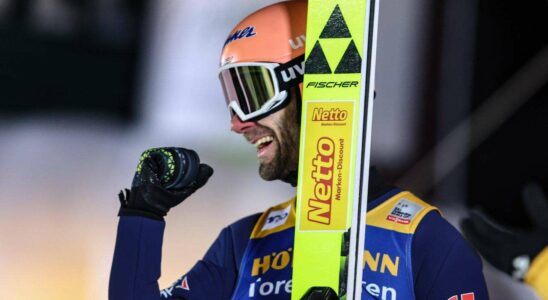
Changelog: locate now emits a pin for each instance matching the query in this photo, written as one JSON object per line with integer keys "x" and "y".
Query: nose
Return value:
{"x": 240, "y": 126}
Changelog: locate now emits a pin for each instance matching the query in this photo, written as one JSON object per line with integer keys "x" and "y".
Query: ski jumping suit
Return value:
{"x": 411, "y": 252}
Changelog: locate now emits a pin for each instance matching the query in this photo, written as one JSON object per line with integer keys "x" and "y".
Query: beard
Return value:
{"x": 284, "y": 165}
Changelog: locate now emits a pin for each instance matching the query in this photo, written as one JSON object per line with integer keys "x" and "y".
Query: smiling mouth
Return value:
{"x": 262, "y": 143}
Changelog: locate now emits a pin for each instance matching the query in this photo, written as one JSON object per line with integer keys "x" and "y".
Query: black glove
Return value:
{"x": 164, "y": 178}
{"x": 511, "y": 250}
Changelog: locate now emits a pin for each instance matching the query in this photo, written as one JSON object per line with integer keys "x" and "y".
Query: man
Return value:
{"x": 421, "y": 257}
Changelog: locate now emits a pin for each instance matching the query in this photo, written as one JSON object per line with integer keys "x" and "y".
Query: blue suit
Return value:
{"x": 411, "y": 252}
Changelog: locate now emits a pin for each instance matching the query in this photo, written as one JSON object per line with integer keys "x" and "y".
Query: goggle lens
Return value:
{"x": 254, "y": 89}
{"x": 250, "y": 86}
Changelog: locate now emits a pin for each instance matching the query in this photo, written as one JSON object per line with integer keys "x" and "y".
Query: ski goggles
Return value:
{"x": 255, "y": 89}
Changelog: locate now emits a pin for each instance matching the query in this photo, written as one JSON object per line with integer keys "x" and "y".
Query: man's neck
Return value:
{"x": 291, "y": 178}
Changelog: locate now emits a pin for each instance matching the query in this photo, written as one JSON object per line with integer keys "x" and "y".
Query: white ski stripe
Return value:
{"x": 359, "y": 218}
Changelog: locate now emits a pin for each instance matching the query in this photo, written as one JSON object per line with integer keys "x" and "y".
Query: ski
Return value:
{"x": 334, "y": 148}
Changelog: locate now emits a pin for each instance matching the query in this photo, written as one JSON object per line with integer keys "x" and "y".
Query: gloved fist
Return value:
{"x": 511, "y": 250}
{"x": 164, "y": 178}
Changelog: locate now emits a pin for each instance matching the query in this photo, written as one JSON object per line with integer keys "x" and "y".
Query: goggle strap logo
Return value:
{"x": 291, "y": 73}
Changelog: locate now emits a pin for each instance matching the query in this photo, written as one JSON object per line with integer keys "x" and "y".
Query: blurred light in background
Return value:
{"x": 70, "y": 55}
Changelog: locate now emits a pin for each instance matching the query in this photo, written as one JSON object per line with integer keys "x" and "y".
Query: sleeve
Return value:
{"x": 137, "y": 259}
{"x": 215, "y": 276}
{"x": 444, "y": 265}
{"x": 212, "y": 277}
{"x": 137, "y": 262}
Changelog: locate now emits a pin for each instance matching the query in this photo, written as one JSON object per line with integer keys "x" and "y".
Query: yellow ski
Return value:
{"x": 335, "y": 146}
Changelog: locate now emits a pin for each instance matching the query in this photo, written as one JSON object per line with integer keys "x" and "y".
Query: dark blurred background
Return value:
{"x": 86, "y": 85}
{"x": 509, "y": 37}
{"x": 70, "y": 55}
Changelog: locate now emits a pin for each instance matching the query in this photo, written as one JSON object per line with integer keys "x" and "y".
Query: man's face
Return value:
{"x": 276, "y": 138}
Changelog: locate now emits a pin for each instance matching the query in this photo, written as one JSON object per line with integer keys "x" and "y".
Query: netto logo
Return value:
{"x": 240, "y": 34}
{"x": 319, "y": 207}
{"x": 336, "y": 28}
{"x": 333, "y": 114}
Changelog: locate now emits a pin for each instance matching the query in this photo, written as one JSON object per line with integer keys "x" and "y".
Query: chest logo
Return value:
{"x": 404, "y": 212}
{"x": 276, "y": 218}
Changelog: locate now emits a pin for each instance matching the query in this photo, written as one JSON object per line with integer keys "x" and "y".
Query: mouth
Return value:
{"x": 263, "y": 144}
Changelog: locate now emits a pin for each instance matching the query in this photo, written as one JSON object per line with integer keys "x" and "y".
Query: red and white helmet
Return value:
{"x": 262, "y": 58}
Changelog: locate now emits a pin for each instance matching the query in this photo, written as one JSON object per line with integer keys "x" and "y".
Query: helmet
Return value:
{"x": 262, "y": 58}
{"x": 272, "y": 34}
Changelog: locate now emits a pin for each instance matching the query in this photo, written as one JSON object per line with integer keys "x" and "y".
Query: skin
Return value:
{"x": 279, "y": 159}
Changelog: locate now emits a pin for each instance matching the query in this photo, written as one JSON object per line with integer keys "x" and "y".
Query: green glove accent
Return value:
{"x": 164, "y": 178}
